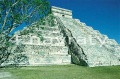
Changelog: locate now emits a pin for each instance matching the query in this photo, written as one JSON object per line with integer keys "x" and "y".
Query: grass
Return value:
{"x": 63, "y": 72}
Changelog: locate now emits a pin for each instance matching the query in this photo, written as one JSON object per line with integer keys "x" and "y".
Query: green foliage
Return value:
{"x": 42, "y": 27}
{"x": 7, "y": 44}
{"x": 21, "y": 58}
{"x": 40, "y": 36}
{"x": 50, "y": 20}
{"x": 41, "y": 22}
{"x": 13, "y": 13}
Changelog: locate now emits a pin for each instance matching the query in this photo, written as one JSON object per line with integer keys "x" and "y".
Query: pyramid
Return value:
{"x": 61, "y": 39}
{"x": 86, "y": 45}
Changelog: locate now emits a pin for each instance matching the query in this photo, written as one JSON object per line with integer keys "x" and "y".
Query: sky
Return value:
{"x": 102, "y": 15}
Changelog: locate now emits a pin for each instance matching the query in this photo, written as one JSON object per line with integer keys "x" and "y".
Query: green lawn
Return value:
{"x": 63, "y": 72}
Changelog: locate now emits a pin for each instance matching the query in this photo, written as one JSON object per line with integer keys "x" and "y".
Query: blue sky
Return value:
{"x": 102, "y": 15}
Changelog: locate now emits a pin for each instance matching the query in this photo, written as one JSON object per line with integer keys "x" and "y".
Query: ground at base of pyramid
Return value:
{"x": 61, "y": 72}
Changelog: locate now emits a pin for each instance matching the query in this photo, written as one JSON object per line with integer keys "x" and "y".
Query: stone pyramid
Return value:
{"x": 86, "y": 45}
{"x": 61, "y": 39}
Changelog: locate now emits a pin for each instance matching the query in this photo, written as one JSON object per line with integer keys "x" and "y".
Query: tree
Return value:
{"x": 13, "y": 13}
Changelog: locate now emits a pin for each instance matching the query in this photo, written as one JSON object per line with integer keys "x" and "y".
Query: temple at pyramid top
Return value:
{"x": 61, "y": 12}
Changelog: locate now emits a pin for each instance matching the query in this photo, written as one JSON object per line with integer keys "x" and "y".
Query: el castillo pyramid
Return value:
{"x": 59, "y": 39}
